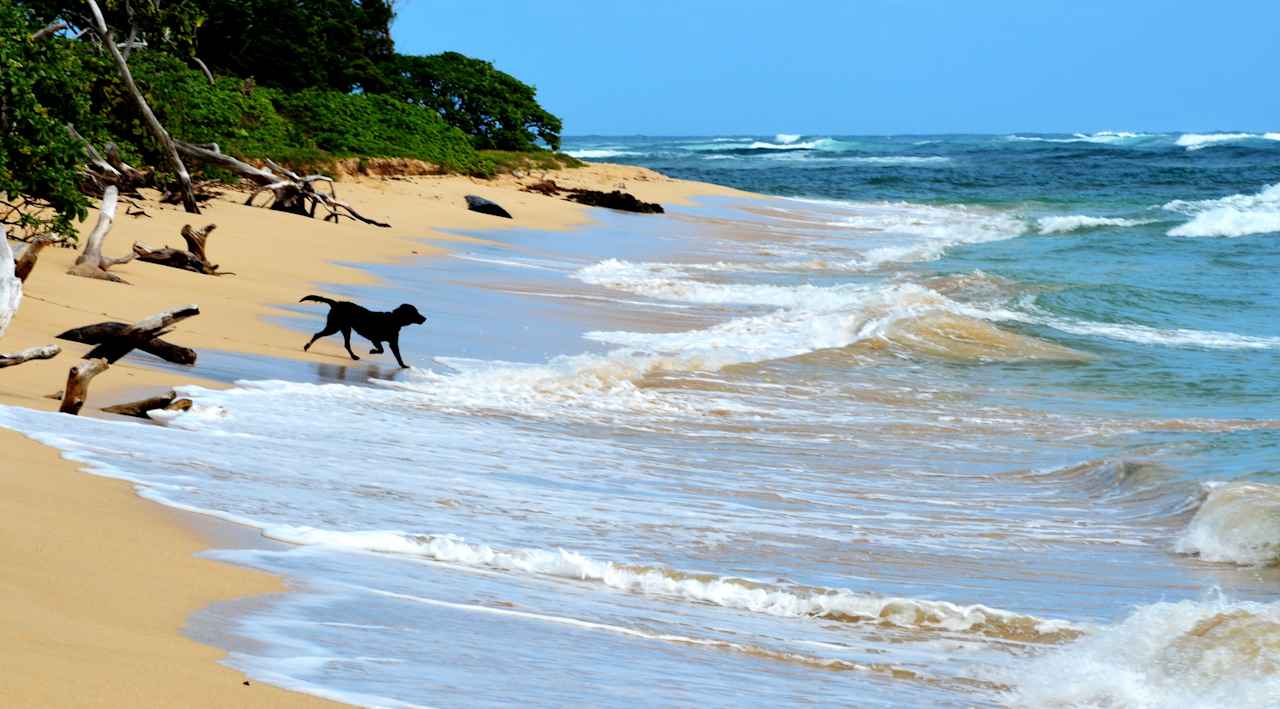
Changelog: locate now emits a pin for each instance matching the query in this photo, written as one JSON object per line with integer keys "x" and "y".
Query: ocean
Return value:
{"x": 940, "y": 421}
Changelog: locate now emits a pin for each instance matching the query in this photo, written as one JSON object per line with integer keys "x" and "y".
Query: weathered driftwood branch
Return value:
{"x": 193, "y": 259}
{"x": 161, "y": 135}
{"x": 78, "y": 380}
{"x": 91, "y": 263}
{"x": 13, "y": 359}
{"x": 141, "y": 332}
{"x": 101, "y": 332}
{"x": 142, "y": 408}
{"x": 290, "y": 191}
{"x": 26, "y": 259}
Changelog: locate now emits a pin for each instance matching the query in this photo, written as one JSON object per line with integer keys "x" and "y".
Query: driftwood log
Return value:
{"x": 141, "y": 409}
{"x": 290, "y": 192}
{"x": 101, "y": 332}
{"x": 13, "y": 359}
{"x": 194, "y": 258}
{"x": 26, "y": 259}
{"x": 92, "y": 263}
{"x": 78, "y": 379}
{"x": 144, "y": 331}
{"x": 112, "y": 349}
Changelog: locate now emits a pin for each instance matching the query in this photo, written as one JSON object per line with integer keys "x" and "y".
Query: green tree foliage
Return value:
{"x": 170, "y": 25}
{"x": 494, "y": 108}
{"x": 41, "y": 90}
{"x": 299, "y": 44}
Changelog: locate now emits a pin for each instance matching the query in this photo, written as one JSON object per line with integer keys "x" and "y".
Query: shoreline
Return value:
{"x": 102, "y": 593}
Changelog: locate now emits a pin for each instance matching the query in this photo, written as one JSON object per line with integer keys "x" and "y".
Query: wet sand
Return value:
{"x": 100, "y": 583}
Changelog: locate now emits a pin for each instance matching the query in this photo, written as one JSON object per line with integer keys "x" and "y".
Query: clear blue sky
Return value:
{"x": 699, "y": 67}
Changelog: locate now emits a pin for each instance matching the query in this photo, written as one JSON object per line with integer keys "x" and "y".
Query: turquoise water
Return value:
{"x": 946, "y": 421}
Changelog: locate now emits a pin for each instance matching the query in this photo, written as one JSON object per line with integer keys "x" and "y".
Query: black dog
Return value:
{"x": 374, "y": 327}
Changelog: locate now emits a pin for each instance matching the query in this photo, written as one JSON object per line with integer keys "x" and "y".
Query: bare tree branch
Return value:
{"x": 52, "y": 29}
{"x": 153, "y": 123}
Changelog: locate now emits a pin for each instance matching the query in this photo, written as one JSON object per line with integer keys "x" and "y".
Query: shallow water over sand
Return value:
{"x": 769, "y": 452}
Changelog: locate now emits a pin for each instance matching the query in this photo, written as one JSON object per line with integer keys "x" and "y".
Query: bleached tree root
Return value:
{"x": 78, "y": 380}
{"x": 13, "y": 359}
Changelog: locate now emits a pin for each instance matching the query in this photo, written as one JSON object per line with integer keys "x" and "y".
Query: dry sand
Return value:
{"x": 97, "y": 583}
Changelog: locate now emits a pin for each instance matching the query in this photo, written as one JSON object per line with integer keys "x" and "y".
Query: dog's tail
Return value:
{"x": 318, "y": 299}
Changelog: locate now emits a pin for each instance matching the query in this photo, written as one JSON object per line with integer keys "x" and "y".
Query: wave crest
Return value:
{"x": 1188, "y": 654}
{"x": 839, "y": 605}
{"x": 1236, "y": 215}
{"x": 1237, "y": 523}
{"x": 1080, "y": 222}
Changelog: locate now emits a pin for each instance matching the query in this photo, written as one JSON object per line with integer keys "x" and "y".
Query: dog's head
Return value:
{"x": 408, "y": 315}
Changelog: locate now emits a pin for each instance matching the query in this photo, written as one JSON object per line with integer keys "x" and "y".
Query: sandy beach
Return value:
{"x": 99, "y": 582}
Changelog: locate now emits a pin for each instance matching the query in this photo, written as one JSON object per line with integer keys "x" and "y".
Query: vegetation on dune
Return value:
{"x": 302, "y": 83}
{"x": 38, "y": 157}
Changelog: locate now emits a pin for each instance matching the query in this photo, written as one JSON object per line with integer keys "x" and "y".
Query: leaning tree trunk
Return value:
{"x": 153, "y": 124}
{"x": 91, "y": 263}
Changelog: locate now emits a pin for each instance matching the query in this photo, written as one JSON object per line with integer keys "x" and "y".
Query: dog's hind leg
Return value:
{"x": 346, "y": 342}
{"x": 377, "y": 348}
{"x": 329, "y": 329}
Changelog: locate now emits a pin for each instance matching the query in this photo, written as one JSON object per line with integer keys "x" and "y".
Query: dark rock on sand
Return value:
{"x": 484, "y": 206}
{"x": 616, "y": 199}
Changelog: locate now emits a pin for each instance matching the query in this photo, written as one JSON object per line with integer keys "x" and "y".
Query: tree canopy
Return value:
{"x": 495, "y": 108}
{"x": 296, "y": 81}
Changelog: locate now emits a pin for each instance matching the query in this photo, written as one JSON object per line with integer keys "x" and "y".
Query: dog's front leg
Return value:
{"x": 395, "y": 350}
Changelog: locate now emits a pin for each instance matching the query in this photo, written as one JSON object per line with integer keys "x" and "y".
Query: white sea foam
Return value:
{"x": 1236, "y": 215}
{"x": 1197, "y": 655}
{"x": 1080, "y": 222}
{"x": 737, "y": 593}
{"x": 669, "y": 282}
{"x": 1237, "y": 523}
{"x": 806, "y": 145}
{"x": 599, "y": 153}
{"x": 900, "y": 160}
{"x": 787, "y": 138}
{"x": 1142, "y": 334}
{"x": 1196, "y": 141}
{"x": 1105, "y": 137}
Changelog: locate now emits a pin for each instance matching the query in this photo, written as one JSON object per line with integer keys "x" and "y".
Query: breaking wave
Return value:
{"x": 1190, "y": 654}
{"x": 1236, "y": 215}
{"x": 839, "y": 605}
{"x": 1238, "y": 523}
{"x": 1196, "y": 141}
{"x": 1105, "y": 137}
{"x": 600, "y": 153}
{"x": 1077, "y": 222}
